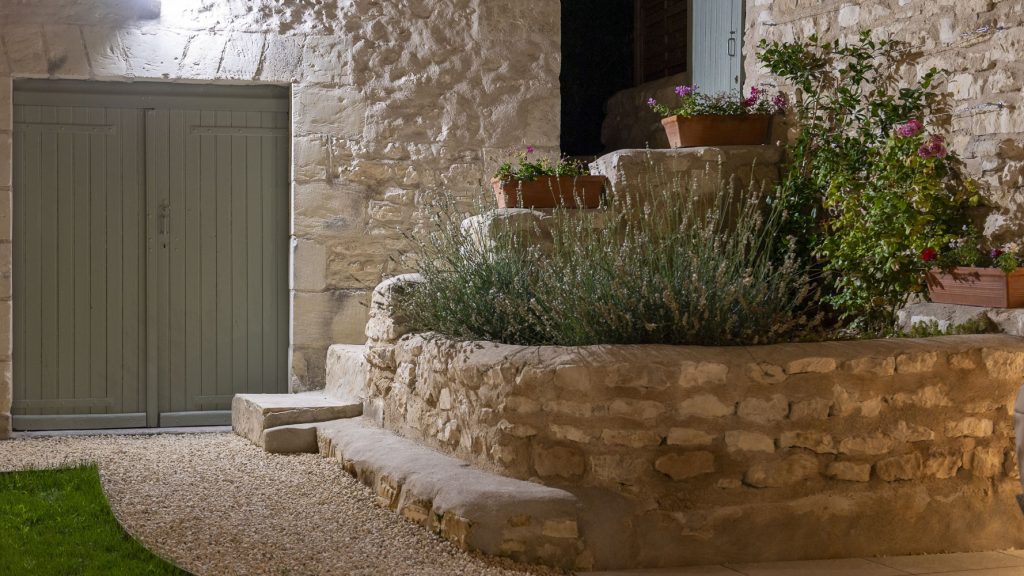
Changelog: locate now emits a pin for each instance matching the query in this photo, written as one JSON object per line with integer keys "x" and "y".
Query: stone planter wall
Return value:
{"x": 691, "y": 455}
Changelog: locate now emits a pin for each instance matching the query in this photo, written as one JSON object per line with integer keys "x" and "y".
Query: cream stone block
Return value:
{"x": 744, "y": 441}
{"x": 635, "y": 409}
{"x": 310, "y": 266}
{"x": 339, "y": 112}
{"x": 871, "y": 445}
{"x": 764, "y": 410}
{"x": 25, "y": 52}
{"x": 242, "y": 56}
{"x": 153, "y": 53}
{"x": 689, "y": 437}
{"x": 970, "y": 427}
{"x": 203, "y": 57}
{"x": 106, "y": 52}
{"x": 704, "y": 406}
{"x": 816, "y": 408}
{"x": 6, "y": 105}
{"x": 281, "y": 58}
{"x": 779, "y": 473}
{"x": 5, "y": 270}
{"x": 916, "y": 362}
{"x": 5, "y": 330}
{"x": 66, "y": 56}
{"x": 907, "y": 467}
{"x": 5, "y": 212}
{"x": 813, "y": 440}
{"x": 875, "y": 366}
{"x": 6, "y": 387}
{"x": 814, "y": 365}
{"x": 324, "y": 318}
{"x": 326, "y": 60}
{"x": 849, "y": 471}
{"x": 6, "y": 160}
{"x": 631, "y": 438}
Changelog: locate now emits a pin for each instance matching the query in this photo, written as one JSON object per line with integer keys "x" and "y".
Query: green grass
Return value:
{"x": 58, "y": 522}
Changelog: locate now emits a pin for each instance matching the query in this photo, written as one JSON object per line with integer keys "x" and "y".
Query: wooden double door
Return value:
{"x": 150, "y": 270}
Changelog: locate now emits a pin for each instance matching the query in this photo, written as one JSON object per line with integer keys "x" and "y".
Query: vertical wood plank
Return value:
{"x": 97, "y": 152}
{"x": 193, "y": 262}
{"x": 255, "y": 379}
{"x": 152, "y": 285}
{"x": 225, "y": 379}
{"x": 134, "y": 264}
{"x": 208, "y": 207}
{"x": 176, "y": 279}
{"x": 21, "y": 390}
{"x": 239, "y": 261}
{"x": 47, "y": 235}
{"x": 115, "y": 265}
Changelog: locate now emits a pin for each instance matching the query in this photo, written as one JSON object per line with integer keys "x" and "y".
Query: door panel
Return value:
{"x": 150, "y": 252}
{"x": 222, "y": 271}
{"x": 717, "y": 45}
{"x": 78, "y": 261}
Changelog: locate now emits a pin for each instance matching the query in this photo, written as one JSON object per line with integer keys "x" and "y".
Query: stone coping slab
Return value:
{"x": 251, "y": 414}
{"x": 474, "y": 509}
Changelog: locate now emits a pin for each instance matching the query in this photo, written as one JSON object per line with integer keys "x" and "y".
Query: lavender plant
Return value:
{"x": 675, "y": 269}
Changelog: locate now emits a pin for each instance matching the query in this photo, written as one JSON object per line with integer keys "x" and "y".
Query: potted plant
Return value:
{"x": 723, "y": 119}
{"x": 543, "y": 183}
{"x": 966, "y": 272}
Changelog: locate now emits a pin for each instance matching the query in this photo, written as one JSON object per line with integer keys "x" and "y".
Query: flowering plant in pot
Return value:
{"x": 723, "y": 119}
{"x": 539, "y": 182}
{"x": 967, "y": 270}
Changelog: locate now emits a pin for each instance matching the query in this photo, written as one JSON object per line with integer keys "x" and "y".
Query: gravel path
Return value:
{"x": 214, "y": 504}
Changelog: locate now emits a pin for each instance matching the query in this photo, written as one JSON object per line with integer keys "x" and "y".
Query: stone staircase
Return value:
{"x": 472, "y": 508}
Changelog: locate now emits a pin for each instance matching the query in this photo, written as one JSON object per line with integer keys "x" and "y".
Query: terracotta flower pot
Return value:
{"x": 550, "y": 192}
{"x": 977, "y": 287}
{"x": 748, "y": 129}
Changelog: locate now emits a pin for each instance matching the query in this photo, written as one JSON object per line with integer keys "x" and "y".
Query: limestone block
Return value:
{"x": 763, "y": 410}
{"x": 5, "y": 164}
{"x": 310, "y": 265}
{"x": 251, "y": 414}
{"x": 704, "y": 406}
{"x": 871, "y": 445}
{"x": 631, "y": 438}
{"x": 689, "y": 437}
{"x": 6, "y": 106}
{"x": 149, "y": 59}
{"x": 203, "y": 56}
{"x": 985, "y": 462}
{"x": 340, "y": 112}
{"x": 971, "y": 427}
{"x": 916, "y": 362}
{"x": 849, "y": 471}
{"x": 814, "y": 365}
{"x": 347, "y": 371}
{"x": 243, "y": 53}
{"x": 815, "y": 408}
{"x": 686, "y": 465}
{"x": 641, "y": 410}
{"x": 281, "y": 58}
{"x": 5, "y": 330}
{"x": 106, "y": 52}
{"x": 943, "y": 466}
{"x": 1003, "y": 364}
{"x": 703, "y": 373}
{"x": 766, "y": 373}
{"x": 904, "y": 432}
{"x": 5, "y": 425}
{"x": 873, "y": 366}
{"x": 813, "y": 440}
{"x": 324, "y": 318}
{"x": 570, "y": 433}
{"x": 66, "y": 56}
{"x": 907, "y": 467}
{"x": 26, "y": 55}
{"x": 927, "y": 397}
{"x": 6, "y": 387}
{"x": 531, "y": 227}
{"x": 792, "y": 470}
{"x": 559, "y": 461}
{"x": 384, "y": 324}
{"x": 968, "y": 360}
{"x": 743, "y": 441}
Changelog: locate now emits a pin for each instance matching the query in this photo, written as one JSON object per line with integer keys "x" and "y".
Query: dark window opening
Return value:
{"x": 660, "y": 39}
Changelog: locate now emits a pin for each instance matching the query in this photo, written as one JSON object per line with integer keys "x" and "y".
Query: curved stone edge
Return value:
{"x": 473, "y": 509}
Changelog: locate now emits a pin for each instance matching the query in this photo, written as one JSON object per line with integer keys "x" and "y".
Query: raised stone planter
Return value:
{"x": 693, "y": 455}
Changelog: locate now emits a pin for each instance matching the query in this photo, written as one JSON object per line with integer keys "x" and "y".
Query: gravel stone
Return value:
{"x": 214, "y": 504}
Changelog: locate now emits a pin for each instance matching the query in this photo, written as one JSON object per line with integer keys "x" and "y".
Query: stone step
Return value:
{"x": 474, "y": 509}
{"x": 253, "y": 414}
{"x": 346, "y": 371}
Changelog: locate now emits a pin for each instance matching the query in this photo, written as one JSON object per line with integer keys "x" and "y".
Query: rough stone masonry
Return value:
{"x": 392, "y": 103}
{"x": 978, "y": 43}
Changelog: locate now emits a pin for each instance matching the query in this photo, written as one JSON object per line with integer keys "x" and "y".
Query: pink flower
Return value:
{"x": 779, "y": 101}
{"x": 910, "y": 129}
{"x": 530, "y": 149}
{"x": 755, "y": 95}
{"x": 652, "y": 102}
{"x": 929, "y": 254}
{"x": 684, "y": 90}
{"x": 935, "y": 147}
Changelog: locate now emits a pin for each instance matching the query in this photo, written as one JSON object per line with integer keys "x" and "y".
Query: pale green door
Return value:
{"x": 150, "y": 252}
{"x": 717, "y": 40}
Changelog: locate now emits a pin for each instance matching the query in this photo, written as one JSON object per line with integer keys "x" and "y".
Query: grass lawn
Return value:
{"x": 58, "y": 522}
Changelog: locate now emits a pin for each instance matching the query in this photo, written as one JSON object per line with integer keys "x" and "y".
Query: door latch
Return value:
{"x": 163, "y": 221}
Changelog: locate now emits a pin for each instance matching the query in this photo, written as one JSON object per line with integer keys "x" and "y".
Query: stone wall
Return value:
{"x": 629, "y": 122}
{"x": 392, "y": 102}
{"x": 977, "y": 41}
{"x": 694, "y": 455}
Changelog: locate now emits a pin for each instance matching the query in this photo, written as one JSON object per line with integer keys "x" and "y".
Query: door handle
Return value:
{"x": 732, "y": 47}
{"x": 163, "y": 221}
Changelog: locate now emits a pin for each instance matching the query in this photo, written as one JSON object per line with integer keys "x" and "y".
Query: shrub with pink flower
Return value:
{"x": 911, "y": 128}
{"x": 934, "y": 147}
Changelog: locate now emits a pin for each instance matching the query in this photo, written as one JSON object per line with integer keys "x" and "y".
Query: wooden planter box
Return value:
{"x": 749, "y": 129}
{"x": 550, "y": 192}
{"x": 977, "y": 287}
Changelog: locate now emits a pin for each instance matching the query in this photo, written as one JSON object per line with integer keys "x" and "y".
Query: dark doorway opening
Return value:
{"x": 597, "y": 61}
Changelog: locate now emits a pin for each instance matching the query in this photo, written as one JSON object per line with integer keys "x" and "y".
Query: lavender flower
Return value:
{"x": 652, "y": 102}
{"x": 684, "y": 90}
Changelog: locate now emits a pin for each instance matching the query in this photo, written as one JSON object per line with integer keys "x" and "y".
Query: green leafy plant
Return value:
{"x": 525, "y": 168}
{"x": 691, "y": 102}
{"x": 972, "y": 250}
{"x": 676, "y": 269}
{"x": 867, "y": 186}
